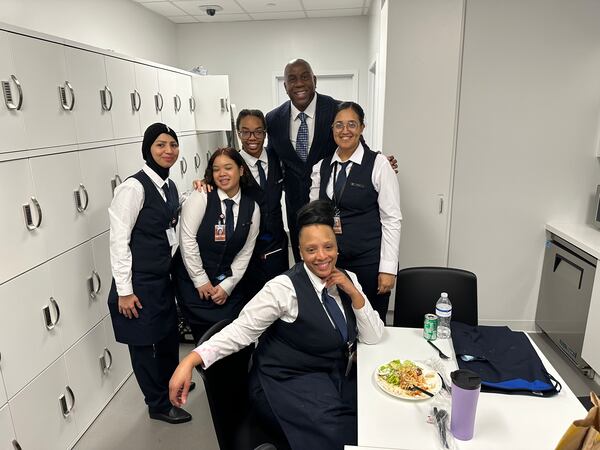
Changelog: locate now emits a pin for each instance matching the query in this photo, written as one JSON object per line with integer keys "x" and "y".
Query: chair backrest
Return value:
{"x": 226, "y": 385}
{"x": 419, "y": 288}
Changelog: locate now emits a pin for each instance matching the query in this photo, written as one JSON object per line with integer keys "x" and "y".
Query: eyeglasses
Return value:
{"x": 351, "y": 124}
{"x": 258, "y": 134}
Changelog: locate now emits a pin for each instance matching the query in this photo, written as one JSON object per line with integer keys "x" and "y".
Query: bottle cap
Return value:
{"x": 466, "y": 379}
{"x": 444, "y": 294}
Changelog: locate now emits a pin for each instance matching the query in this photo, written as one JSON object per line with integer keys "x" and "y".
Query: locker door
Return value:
{"x": 167, "y": 84}
{"x": 12, "y": 124}
{"x": 126, "y": 109}
{"x": 7, "y": 433}
{"x": 146, "y": 81}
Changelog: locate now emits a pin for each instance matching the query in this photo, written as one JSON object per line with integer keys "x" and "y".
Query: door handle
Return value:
{"x": 64, "y": 406}
{"x": 50, "y": 324}
{"x": 104, "y": 365}
{"x": 80, "y": 204}
{"x": 136, "y": 100}
{"x": 8, "y": 97}
{"x": 106, "y": 98}
{"x": 158, "y": 102}
{"x": 558, "y": 258}
{"x": 29, "y": 217}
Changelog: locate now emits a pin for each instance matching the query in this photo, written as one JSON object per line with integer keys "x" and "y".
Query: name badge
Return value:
{"x": 171, "y": 236}
{"x": 220, "y": 233}
{"x": 337, "y": 224}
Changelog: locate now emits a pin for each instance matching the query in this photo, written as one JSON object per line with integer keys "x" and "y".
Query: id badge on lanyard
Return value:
{"x": 220, "y": 230}
{"x": 337, "y": 221}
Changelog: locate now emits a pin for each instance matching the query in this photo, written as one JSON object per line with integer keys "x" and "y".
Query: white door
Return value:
{"x": 129, "y": 159}
{"x": 187, "y": 102}
{"x": 26, "y": 247}
{"x": 119, "y": 362}
{"x": 87, "y": 74}
{"x": 12, "y": 124}
{"x": 30, "y": 319}
{"x": 47, "y": 107}
{"x": 126, "y": 98}
{"x": 74, "y": 282}
{"x": 146, "y": 81}
{"x": 212, "y": 105}
{"x": 7, "y": 433}
{"x": 43, "y": 413}
{"x": 57, "y": 179}
{"x": 98, "y": 170}
{"x": 167, "y": 85}
{"x": 101, "y": 251}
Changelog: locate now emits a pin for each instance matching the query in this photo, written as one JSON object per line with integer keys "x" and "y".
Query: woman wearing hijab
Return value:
{"x": 143, "y": 216}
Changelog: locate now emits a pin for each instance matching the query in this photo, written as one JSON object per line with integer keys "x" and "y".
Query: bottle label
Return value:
{"x": 445, "y": 312}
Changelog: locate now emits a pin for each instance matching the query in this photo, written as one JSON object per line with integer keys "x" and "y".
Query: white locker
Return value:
{"x": 187, "y": 103}
{"x": 101, "y": 253}
{"x": 7, "y": 434}
{"x": 146, "y": 81}
{"x": 44, "y": 413}
{"x": 3, "y": 396}
{"x": 92, "y": 109}
{"x": 30, "y": 322}
{"x": 129, "y": 159}
{"x": 47, "y": 106}
{"x": 126, "y": 98}
{"x": 98, "y": 175}
{"x": 20, "y": 210}
{"x": 167, "y": 83}
{"x": 212, "y": 106}
{"x": 57, "y": 179}
{"x": 12, "y": 124}
{"x": 120, "y": 364}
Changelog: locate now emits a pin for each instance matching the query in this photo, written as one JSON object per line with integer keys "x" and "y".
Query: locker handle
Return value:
{"x": 441, "y": 200}
{"x": 64, "y": 406}
{"x": 177, "y": 102}
{"x": 16, "y": 445}
{"x": 136, "y": 100}
{"x": 557, "y": 260}
{"x": 192, "y": 104}
{"x": 79, "y": 204}
{"x": 184, "y": 165}
{"x": 28, "y": 216}
{"x": 104, "y": 95}
{"x": 93, "y": 290}
{"x": 104, "y": 366}
{"x": 50, "y": 324}
{"x": 8, "y": 97}
{"x": 114, "y": 183}
{"x": 197, "y": 161}
{"x": 158, "y": 104}
{"x": 62, "y": 92}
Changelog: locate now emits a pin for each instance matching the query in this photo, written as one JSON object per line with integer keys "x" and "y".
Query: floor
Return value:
{"x": 124, "y": 422}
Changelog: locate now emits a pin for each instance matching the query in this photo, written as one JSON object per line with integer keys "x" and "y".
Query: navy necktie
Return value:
{"x": 229, "y": 226}
{"x": 340, "y": 180}
{"x": 302, "y": 138}
{"x": 171, "y": 204}
{"x": 335, "y": 313}
{"x": 261, "y": 174}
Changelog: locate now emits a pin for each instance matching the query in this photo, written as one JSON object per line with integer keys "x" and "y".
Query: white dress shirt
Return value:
{"x": 310, "y": 111}
{"x": 278, "y": 300}
{"x": 252, "y": 163}
{"x": 192, "y": 213}
{"x": 384, "y": 181}
{"x": 123, "y": 212}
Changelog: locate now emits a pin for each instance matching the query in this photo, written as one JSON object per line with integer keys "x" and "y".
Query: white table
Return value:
{"x": 502, "y": 421}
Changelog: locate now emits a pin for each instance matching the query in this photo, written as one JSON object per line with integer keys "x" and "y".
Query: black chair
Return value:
{"x": 419, "y": 288}
{"x": 226, "y": 385}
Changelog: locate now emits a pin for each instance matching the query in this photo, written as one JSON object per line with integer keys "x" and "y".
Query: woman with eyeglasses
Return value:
{"x": 364, "y": 191}
{"x": 218, "y": 230}
{"x": 270, "y": 256}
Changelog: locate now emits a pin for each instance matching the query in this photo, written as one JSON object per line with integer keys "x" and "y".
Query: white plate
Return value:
{"x": 431, "y": 377}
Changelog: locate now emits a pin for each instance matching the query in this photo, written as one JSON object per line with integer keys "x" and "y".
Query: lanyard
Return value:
{"x": 336, "y": 200}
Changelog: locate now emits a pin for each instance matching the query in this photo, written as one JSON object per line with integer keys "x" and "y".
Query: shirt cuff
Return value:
{"x": 207, "y": 353}
{"x": 124, "y": 289}
{"x": 390, "y": 267}
{"x": 200, "y": 280}
{"x": 227, "y": 285}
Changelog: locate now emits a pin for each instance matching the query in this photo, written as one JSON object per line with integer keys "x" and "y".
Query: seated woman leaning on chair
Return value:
{"x": 307, "y": 321}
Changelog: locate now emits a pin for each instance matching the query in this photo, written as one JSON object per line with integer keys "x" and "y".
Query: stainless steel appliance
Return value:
{"x": 564, "y": 297}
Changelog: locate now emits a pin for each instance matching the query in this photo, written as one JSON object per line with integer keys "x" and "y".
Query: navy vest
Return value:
{"x": 310, "y": 343}
{"x": 150, "y": 249}
{"x": 272, "y": 233}
{"x": 218, "y": 256}
{"x": 360, "y": 241}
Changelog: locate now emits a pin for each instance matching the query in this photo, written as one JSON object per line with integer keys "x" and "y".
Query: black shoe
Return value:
{"x": 192, "y": 386}
{"x": 174, "y": 415}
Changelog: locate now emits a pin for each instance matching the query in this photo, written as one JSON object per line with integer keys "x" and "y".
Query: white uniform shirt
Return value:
{"x": 252, "y": 163}
{"x": 310, "y": 111}
{"x": 192, "y": 213}
{"x": 123, "y": 213}
{"x": 278, "y": 300}
{"x": 386, "y": 184}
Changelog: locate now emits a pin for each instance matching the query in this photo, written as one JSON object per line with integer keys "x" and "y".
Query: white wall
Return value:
{"x": 119, "y": 25}
{"x": 252, "y": 52}
{"x": 529, "y": 108}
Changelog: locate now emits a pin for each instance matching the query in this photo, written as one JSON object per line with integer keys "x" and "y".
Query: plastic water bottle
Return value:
{"x": 443, "y": 309}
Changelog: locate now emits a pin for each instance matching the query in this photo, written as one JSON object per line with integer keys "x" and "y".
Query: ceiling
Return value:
{"x": 190, "y": 11}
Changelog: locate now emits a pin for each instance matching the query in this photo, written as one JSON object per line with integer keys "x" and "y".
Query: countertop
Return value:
{"x": 583, "y": 236}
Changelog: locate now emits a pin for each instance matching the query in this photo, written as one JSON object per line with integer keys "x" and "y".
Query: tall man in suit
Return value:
{"x": 300, "y": 135}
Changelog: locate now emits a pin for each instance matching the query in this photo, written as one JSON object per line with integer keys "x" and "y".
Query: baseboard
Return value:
{"x": 515, "y": 325}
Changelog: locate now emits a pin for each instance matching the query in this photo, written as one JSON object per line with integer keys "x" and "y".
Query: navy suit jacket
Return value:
{"x": 297, "y": 172}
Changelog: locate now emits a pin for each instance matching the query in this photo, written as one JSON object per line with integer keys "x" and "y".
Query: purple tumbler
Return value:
{"x": 466, "y": 385}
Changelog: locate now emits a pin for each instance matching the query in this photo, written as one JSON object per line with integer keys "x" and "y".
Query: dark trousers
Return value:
{"x": 261, "y": 270}
{"x": 367, "y": 277}
{"x": 153, "y": 366}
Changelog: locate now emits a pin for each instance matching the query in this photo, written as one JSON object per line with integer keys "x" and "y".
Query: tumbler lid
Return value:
{"x": 466, "y": 379}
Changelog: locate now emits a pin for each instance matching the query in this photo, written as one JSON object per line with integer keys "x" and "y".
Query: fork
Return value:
{"x": 441, "y": 353}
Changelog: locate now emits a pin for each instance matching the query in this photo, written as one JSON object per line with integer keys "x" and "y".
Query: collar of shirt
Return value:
{"x": 235, "y": 198}
{"x": 158, "y": 181}
{"x": 252, "y": 161}
{"x": 310, "y": 110}
{"x": 319, "y": 284}
{"x": 356, "y": 157}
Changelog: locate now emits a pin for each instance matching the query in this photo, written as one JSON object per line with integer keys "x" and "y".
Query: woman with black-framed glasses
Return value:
{"x": 365, "y": 193}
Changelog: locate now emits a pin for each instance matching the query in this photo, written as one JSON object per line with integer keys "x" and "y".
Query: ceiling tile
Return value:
{"x": 193, "y": 6}
{"x": 254, "y": 6}
{"x": 182, "y": 19}
{"x": 223, "y": 18}
{"x": 332, "y": 4}
{"x": 279, "y": 15}
{"x": 148, "y": 1}
{"x": 334, "y": 12}
{"x": 164, "y": 8}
